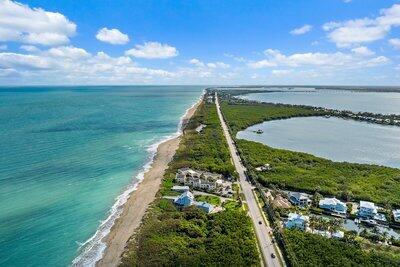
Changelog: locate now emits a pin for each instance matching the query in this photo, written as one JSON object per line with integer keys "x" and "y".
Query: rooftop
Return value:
{"x": 367, "y": 205}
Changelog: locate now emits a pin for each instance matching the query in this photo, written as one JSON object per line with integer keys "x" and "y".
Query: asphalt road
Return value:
{"x": 262, "y": 230}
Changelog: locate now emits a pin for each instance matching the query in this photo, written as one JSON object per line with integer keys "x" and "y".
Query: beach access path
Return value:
{"x": 261, "y": 230}
{"x": 137, "y": 204}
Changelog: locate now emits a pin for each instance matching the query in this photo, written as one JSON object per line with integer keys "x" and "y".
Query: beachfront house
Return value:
{"x": 198, "y": 179}
{"x": 297, "y": 221}
{"x": 396, "y": 215}
{"x": 367, "y": 210}
{"x": 179, "y": 188}
{"x": 333, "y": 205}
{"x": 207, "y": 207}
{"x": 299, "y": 199}
{"x": 185, "y": 200}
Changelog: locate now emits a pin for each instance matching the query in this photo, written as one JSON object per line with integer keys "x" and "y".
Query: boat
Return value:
{"x": 259, "y": 131}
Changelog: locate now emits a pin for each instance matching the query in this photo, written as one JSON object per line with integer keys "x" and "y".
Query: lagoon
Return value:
{"x": 331, "y": 138}
{"x": 376, "y": 102}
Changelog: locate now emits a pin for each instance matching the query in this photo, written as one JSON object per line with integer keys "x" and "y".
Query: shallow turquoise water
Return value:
{"x": 66, "y": 154}
{"x": 332, "y": 138}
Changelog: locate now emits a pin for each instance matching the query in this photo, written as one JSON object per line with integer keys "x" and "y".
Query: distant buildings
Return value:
{"x": 299, "y": 199}
{"x": 396, "y": 215}
{"x": 367, "y": 210}
{"x": 187, "y": 200}
{"x": 198, "y": 179}
{"x": 297, "y": 221}
{"x": 206, "y": 181}
{"x": 333, "y": 205}
{"x": 179, "y": 188}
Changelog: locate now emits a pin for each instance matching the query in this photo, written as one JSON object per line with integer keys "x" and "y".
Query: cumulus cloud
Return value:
{"x": 68, "y": 63}
{"x": 152, "y": 50}
{"x": 359, "y": 58}
{"x": 21, "y": 23}
{"x": 395, "y": 42}
{"x": 362, "y": 50}
{"x": 29, "y": 48}
{"x": 302, "y": 30}
{"x": 281, "y": 73}
{"x": 112, "y": 36}
{"x": 365, "y": 30}
{"x": 196, "y": 62}
{"x": 211, "y": 65}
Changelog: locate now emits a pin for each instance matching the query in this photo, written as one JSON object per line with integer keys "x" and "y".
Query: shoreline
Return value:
{"x": 108, "y": 243}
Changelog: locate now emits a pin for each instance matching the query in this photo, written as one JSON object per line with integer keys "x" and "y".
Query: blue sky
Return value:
{"x": 340, "y": 42}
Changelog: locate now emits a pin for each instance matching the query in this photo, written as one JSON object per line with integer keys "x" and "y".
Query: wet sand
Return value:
{"x": 135, "y": 207}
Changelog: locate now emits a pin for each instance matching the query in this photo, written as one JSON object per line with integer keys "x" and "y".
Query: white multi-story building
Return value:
{"x": 396, "y": 215}
{"x": 367, "y": 210}
{"x": 333, "y": 205}
{"x": 297, "y": 221}
{"x": 299, "y": 199}
{"x": 198, "y": 179}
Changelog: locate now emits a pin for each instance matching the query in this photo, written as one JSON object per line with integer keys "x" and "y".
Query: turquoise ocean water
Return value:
{"x": 68, "y": 158}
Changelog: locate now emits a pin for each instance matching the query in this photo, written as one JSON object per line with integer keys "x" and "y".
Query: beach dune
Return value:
{"x": 135, "y": 208}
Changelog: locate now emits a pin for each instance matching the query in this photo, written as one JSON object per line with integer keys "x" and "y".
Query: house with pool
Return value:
{"x": 333, "y": 205}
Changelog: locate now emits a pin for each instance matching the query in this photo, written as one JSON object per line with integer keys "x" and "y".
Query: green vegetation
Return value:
{"x": 207, "y": 150}
{"x": 305, "y": 249}
{"x": 295, "y": 170}
{"x": 301, "y": 171}
{"x": 241, "y": 114}
{"x": 190, "y": 237}
{"x": 214, "y": 200}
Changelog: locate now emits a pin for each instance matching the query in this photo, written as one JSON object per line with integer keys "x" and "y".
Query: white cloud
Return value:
{"x": 302, "y": 30}
{"x": 395, "y": 42}
{"x": 219, "y": 64}
{"x": 196, "y": 62}
{"x": 152, "y": 50}
{"x": 68, "y": 64}
{"x": 29, "y": 48}
{"x": 363, "y": 51}
{"x": 112, "y": 36}
{"x": 14, "y": 60}
{"x": 68, "y": 52}
{"x": 21, "y": 23}
{"x": 3, "y": 47}
{"x": 281, "y": 73}
{"x": 261, "y": 64}
{"x": 359, "y": 58}
{"x": 358, "y": 31}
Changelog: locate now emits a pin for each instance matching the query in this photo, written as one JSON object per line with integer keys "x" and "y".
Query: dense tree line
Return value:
{"x": 302, "y": 171}
{"x": 306, "y": 249}
{"x": 206, "y": 150}
{"x": 243, "y": 114}
{"x": 190, "y": 237}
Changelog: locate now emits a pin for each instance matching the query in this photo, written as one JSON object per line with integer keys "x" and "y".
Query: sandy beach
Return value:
{"x": 135, "y": 208}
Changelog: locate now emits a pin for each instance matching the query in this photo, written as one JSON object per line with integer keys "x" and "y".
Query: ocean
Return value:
{"x": 69, "y": 156}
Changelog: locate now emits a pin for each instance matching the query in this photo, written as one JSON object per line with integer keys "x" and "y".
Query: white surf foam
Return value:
{"x": 92, "y": 250}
